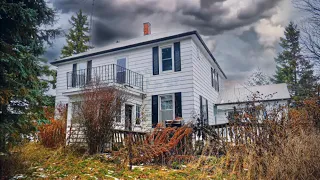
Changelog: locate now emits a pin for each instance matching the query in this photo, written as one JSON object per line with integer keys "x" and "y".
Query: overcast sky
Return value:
{"x": 242, "y": 34}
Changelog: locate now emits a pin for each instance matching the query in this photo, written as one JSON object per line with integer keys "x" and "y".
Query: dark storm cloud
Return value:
{"x": 116, "y": 20}
{"x": 112, "y": 21}
{"x": 208, "y": 18}
{"x": 104, "y": 33}
{"x": 257, "y": 9}
{"x": 208, "y": 3}
{"x": 251, "y": 37}
{"x": 207, "y": 11}
{"x": 53, "y": 51}
{"x": 240, "y": 55}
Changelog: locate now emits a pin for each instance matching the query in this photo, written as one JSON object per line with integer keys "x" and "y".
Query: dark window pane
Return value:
{"x": 166, "y": 53}
{"x": 138, "y": 111}
{"x": 167, "y": 65}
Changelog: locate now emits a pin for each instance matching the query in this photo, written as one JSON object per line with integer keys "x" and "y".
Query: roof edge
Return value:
{"x": 210, "y": 54}
{"x": 141, "y": 44}
{"x": 243, "y": 102}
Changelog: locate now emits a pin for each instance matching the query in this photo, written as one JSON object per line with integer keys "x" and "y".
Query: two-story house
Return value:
{"x": 169, "y": 75}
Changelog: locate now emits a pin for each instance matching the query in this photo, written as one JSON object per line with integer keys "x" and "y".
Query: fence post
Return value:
{"x": 130, "y": 150}
{"x": 114, "y": 73}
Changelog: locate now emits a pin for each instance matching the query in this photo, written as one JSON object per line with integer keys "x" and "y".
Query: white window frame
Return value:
{"x": 172, "y": 57}
{"x": 116, "y": 65}
{"x": 122, "y": 57}
{"x": 140, "y": 116}
{"x": 73, "y": 109}
{"x": 173, "y": 106}
{"x": 81, "y": 71}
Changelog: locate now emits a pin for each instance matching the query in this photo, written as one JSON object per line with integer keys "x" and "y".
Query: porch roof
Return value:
{"x": 243, "y": 94}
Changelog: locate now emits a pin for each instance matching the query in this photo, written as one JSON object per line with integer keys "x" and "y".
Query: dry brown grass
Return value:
{"x": 298, "y": 158}
{"x": 287, "y": 148}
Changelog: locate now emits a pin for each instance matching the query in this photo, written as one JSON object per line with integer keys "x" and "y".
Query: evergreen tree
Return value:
{"x": 307, "y": 84}
{"x": 22, "y": 40}
{"x": 78, "y": 37}
{"x": 292, "y": 68}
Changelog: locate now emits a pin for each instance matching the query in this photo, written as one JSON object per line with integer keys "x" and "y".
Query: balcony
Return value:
{"x": 108, "y": 74}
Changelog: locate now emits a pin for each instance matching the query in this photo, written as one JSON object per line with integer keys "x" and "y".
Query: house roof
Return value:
{"x": 136, "y": 42}
{"x": 260, "y": 93}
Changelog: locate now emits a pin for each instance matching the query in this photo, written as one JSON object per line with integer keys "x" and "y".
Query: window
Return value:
{"x": 217, "y": 83}
{"x": 82, "y": 66}
{"x": 89, "y": 71}
{"x": 138, "y": 114}
{"x": 204, "y": 111}
{"x": 75, "y": 118}
{"x": 81, "y": 73}
{"x": 166, "y": 107}
{"x": 212, "y": 77}
{"x": 166, "y": 58}
{"x": 121, "y": 70}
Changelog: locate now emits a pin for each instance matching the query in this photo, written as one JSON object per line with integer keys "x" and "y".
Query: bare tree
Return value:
{"x": 97, "y": 111}
{"x": 311, "y": 27}
{"x": 258, "y": 78}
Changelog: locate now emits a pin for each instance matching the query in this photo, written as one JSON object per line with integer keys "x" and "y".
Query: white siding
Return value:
{"x": 62, "y": 83}
{"x": 202, "y": 81}
{"x": 140, "y": 60}
{"x": 222, "y": 110}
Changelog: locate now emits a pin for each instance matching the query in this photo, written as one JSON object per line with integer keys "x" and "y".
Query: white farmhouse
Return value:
{"x": 170, "y": 75}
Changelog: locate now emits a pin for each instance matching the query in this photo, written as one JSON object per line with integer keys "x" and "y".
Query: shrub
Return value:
{"x": 162, "y": 146}
{"x": 96, "y": 113}
{"x": 286, "y": 148}
{"x": 53, "y": 133}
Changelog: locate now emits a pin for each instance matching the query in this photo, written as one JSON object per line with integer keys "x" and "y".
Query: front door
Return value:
{"x": 121, "y": 70}
{"x": 128, "y": 116}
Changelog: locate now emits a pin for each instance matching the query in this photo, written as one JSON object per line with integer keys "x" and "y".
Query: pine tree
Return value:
{"x": 307, "y": 84}
{"x": 22, "y": 41}
{"x": 78, "y": 37}
{"x": 292, "y": 68}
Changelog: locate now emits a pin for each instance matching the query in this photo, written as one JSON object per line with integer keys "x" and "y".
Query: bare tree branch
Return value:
{"x": 97, "y": 112}
{"x": 310, "y": 27}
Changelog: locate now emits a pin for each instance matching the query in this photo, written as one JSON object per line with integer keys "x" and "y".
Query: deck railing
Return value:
{"x": 217, "y": 135}
{"x": 111, "y": 73}
{"x": 236, "y": 133}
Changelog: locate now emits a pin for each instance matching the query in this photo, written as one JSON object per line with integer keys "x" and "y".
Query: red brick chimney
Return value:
{"x": 146, "y": 28}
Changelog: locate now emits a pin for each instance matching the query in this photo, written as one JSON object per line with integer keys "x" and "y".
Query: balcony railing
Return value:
{"x": 111, "y": 73}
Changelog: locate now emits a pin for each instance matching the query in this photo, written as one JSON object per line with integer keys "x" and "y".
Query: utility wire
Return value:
{"x": 91, "y": 23}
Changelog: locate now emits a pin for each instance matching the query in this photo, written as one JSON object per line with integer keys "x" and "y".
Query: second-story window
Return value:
{"x": 166, "y": 58}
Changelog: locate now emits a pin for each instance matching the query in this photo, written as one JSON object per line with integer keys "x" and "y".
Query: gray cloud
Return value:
{"x": 237, "y": 53}
{"x": 208, "y": 18}
{"x": 258, "y": 8}
{"x": 207, "y": 12}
